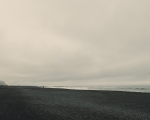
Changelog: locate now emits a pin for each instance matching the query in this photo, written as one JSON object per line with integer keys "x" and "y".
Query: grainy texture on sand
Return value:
{"x": 33, "y": 103}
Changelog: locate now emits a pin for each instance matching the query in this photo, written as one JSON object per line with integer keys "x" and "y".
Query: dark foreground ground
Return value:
{"x": 32, "y": 103}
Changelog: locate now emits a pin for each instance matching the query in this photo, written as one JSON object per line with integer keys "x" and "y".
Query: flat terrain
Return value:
{"x": 33, "y": 103}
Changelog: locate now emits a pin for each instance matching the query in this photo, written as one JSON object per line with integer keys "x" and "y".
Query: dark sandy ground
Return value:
{"x": 33, "y": 103}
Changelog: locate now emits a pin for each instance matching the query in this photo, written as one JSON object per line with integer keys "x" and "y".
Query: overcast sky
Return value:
{"x": 74, "y": 42}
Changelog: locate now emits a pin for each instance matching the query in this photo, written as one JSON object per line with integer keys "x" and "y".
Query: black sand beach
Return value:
{"x": 33, "y": 103}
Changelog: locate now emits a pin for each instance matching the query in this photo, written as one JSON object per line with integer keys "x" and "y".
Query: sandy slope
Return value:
{"x": 28, "y": 103}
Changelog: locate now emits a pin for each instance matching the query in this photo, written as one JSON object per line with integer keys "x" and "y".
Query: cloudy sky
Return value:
{"x": 74, "y": 42}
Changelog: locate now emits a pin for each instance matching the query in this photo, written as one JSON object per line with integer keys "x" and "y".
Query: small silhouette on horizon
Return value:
{"x": 2, "y": 83}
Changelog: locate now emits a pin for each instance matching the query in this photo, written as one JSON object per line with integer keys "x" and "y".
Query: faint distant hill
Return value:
{"x": 2, "y": 83}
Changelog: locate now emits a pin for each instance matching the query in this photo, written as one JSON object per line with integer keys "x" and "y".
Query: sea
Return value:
{"x": 127, "y": 88}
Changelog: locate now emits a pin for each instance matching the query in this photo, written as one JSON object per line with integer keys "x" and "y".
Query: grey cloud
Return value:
{"x": 74, "y": 42}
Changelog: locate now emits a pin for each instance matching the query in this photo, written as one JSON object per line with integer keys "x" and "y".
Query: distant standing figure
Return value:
{"x": 43, "y": 86}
